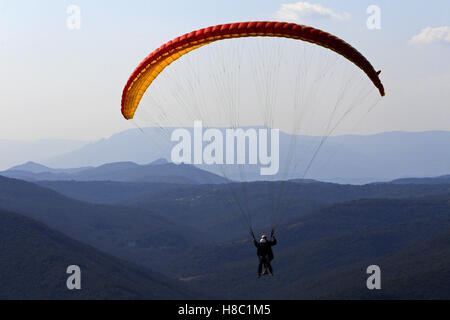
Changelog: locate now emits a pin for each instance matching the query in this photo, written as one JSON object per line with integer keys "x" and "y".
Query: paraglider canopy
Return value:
{"x": 158, "y": 60}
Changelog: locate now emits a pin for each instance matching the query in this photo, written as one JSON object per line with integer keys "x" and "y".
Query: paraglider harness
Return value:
{"x": 269, "y": 257}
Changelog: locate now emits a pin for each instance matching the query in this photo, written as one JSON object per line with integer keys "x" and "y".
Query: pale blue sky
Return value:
{"x": 57, "y": 83}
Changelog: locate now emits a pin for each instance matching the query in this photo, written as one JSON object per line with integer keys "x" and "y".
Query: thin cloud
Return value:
{"x": 300, "y": 11}
{"x": 431, "y": 35}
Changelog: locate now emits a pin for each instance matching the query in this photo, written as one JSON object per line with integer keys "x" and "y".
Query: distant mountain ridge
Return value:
{"x": 355, "y": 159}
{"x": 427, "y": 180}
{"x": 159, "y": 171}
{"x": 34, "y": 167}
{"x": 16, "y": 151}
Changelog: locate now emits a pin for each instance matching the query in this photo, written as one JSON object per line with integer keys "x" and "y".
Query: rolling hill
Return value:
{"x": 134, "y": 234}
{"x": 214, "y": 207}
{"x": 325, "y": 255}
{"x": 194, "y": 206}
{"x": 330, "y": 233}
{"x": 34, "y": 259}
